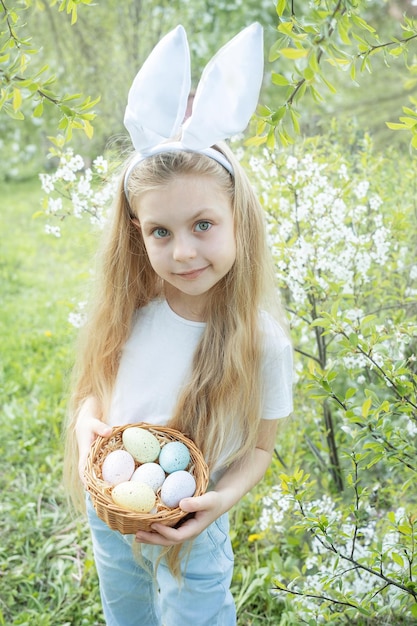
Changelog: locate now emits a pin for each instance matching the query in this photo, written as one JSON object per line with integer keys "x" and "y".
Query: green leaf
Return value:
{"x": 17, "y": 99}
{"x": 16, "y": 115}
{"x": 410, "y": 111}
{"x": 366, "y": 406}
{"x": 396, "y": 52}
{"x": 405, "y": 530}
{"x": 38, "y": 110}
{"x": 286, "y": 28}
{"x": 308, "y": 73}
{"x": 396, "y": 126}
{"x": 294, "y": 53}
{"x": 263, "y": 110}
{"x": 328, "y": 84}
{"x": 409, "y": 122}
{"x": 88, "y": 129}
{"x": 279, "y": 79}
{"x": 343, "y": 33}
{"x": 270, "y": 142}
{"x": 281, "y": 4}
{"x": 274, "y": 51}
{"x": 397, "y": 558}
{"x": 353, "y": 339}
{"x": 256, "y": 141}
{"x": 361, "y": 22}
{"x": 294, "y": 118}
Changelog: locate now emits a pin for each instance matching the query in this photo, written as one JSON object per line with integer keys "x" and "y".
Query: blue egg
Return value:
{"x": 174, "y": 456}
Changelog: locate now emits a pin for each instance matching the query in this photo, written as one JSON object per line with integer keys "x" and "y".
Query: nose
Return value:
{"x": 184, "y": 248}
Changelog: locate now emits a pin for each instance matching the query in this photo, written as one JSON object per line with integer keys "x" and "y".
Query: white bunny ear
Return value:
{"x": 228, "y": 92}
{"x": 157, "y": 99}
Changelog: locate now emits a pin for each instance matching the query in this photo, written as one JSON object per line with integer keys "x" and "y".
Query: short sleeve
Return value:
{"x": 277, "y": 371}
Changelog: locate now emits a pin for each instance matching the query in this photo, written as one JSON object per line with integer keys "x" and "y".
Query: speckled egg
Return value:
{"x": 174, "y": 456}
{"x": 118, "y": 466}
{"x": 134, "y": 496}
{"x": 142, "y": 444}
{"x": 177, "y": 486}
{"x": 151, "y": 474}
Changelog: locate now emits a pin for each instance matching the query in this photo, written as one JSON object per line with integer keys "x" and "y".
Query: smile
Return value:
{"x": 191, "y": 274}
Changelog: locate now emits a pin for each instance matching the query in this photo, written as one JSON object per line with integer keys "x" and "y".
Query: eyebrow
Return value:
{"x": 200, "y": 213}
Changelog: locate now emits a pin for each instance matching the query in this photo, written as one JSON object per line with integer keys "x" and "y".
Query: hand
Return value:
{"x": 206, "y": 508}
{"x": 87, "y": 429}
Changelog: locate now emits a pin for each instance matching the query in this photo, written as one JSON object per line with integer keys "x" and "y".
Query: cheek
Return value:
{"x": 155, "y": 254}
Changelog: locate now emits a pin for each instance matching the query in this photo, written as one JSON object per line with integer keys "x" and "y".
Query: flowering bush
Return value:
{"x": 77, "y": 190}
{"x": 344, "y": 532}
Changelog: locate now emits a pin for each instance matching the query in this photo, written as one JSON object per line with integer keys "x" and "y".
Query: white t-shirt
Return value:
{"x": 157, "y": 358}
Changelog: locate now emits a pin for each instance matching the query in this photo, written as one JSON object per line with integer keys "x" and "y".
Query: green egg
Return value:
{"x": 141, "y": 444}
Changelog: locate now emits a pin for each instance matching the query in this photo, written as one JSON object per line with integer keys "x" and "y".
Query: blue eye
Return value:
{"x": 160, "y": 233}
{"x": 203, "y": 226}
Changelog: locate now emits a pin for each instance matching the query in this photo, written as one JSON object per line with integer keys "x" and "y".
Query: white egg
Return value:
{"x": 151, "y": 474}
{"x": 117, "y": 467}
{"x": 177, "y": 486}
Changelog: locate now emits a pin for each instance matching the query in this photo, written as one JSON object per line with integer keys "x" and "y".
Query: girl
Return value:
{"x": 185, "y": 331}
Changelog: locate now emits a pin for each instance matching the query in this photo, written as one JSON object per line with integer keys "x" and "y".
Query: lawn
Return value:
{"x": 46, "y": 564}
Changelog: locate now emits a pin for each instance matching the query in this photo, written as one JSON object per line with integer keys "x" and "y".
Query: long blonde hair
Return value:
{"x": 223, "y": 398}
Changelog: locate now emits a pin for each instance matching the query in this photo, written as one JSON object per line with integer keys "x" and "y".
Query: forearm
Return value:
{"x": 241, "y": 477}
{"x": 90, "y": 407}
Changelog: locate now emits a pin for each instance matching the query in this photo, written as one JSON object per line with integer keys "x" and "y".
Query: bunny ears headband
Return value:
{"x": 225, "y": 99}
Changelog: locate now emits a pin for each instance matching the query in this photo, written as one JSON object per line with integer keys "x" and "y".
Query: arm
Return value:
{"x": 236, "y": 482}
{"x": 87, "y": 428}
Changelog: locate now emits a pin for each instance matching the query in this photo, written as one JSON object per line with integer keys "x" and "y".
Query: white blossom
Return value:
{"x": 52, "y": 230}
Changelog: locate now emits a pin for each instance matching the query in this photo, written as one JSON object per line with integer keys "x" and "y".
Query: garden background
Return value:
{"x": 329, "y": 537}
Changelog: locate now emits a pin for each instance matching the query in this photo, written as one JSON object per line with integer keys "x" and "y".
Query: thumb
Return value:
{"x": 104, "y": 430}
{"x": 192, "y": 505}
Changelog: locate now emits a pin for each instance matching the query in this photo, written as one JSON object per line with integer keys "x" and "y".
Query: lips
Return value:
{"x": 190, "y": 274}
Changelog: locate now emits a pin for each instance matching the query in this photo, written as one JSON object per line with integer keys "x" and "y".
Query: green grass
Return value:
{"x": 47, "y": 574}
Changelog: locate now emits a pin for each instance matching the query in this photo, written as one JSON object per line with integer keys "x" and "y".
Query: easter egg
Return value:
{"x": 151, "y": 474}
{"x": 142, "y": 444}
{"x": 174, "y": 456}
{"x": 118, "y": 466}
{"x": 177, "y": 486}
{"x": 134, "y": 496}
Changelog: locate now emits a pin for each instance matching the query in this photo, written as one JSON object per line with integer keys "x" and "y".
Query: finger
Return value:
{"x": 153, "y": 538}
{"x": 103, "y": 429}
{"x": 196, "y": 503}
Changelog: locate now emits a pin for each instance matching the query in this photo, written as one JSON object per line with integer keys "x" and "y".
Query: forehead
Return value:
{"x": 184, "y": 193}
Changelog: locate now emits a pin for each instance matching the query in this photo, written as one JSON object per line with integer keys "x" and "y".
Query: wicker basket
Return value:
{"x": 129, "y": 522}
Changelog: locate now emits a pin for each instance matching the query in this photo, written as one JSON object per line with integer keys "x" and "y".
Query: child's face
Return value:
{"x": 187, "y": 227}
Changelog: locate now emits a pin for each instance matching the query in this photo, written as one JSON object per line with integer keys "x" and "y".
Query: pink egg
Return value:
{"x": 118, "y": 466}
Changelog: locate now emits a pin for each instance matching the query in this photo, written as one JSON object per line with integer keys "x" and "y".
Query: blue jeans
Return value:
{"x": 131, "y": 596}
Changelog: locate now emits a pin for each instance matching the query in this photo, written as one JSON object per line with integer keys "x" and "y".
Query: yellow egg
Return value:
{"x": 134, "y": 496}
{"x": 142, "y": 444}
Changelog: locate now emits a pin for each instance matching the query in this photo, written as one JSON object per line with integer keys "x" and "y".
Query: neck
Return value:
{"x": 189, "y": 307}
